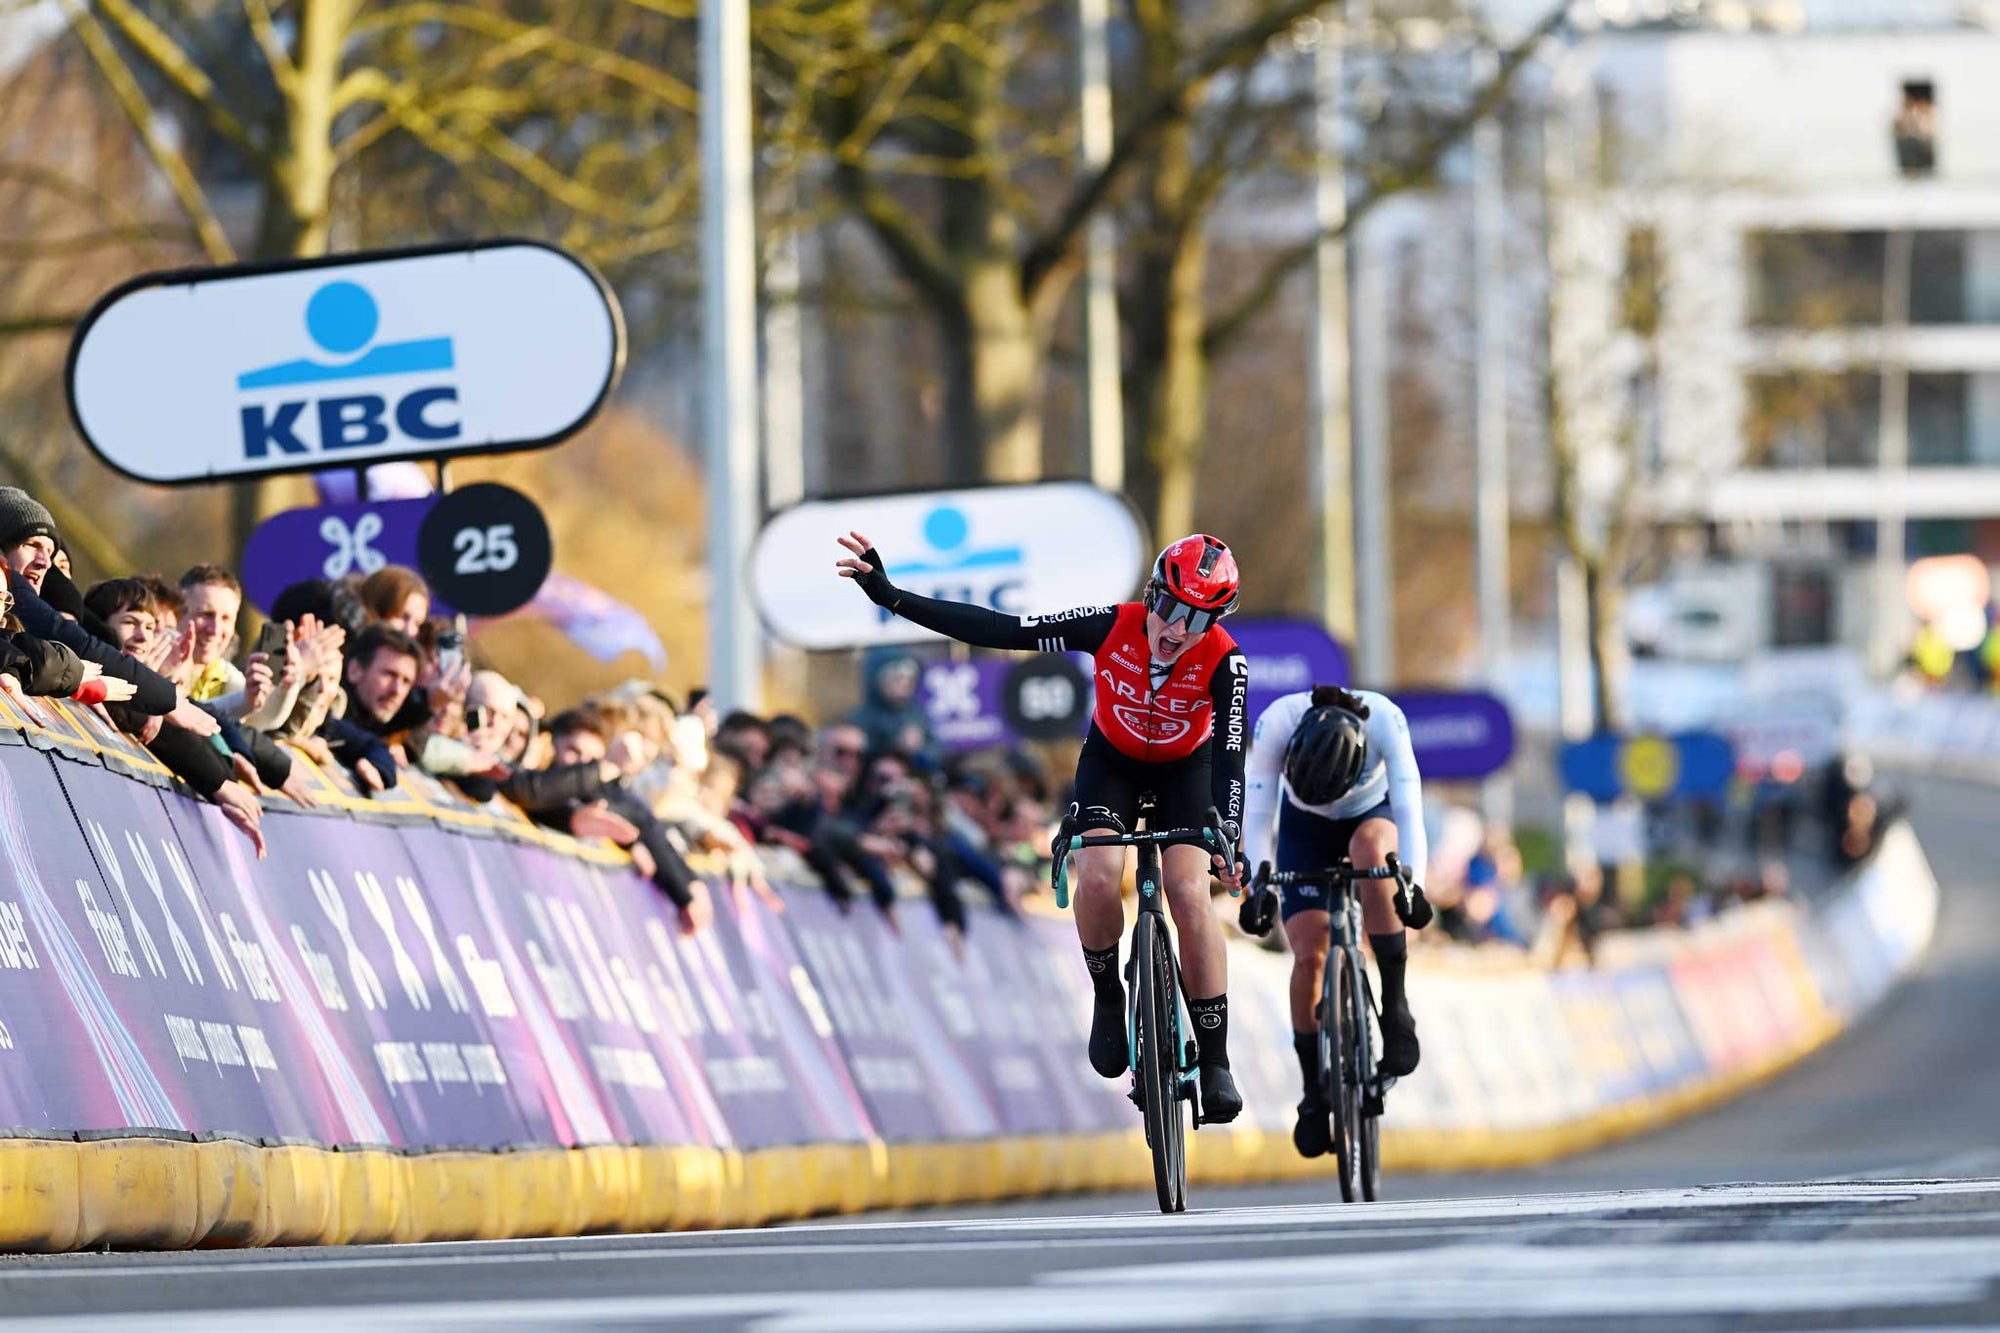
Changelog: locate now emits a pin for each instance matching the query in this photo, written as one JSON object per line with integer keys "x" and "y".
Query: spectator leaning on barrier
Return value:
{"x": 27, "y": 546}
{"x": 131, "y": 608}
{"x": 615, "y": 814}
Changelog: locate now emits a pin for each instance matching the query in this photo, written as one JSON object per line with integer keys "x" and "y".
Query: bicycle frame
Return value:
{"x": 1152, "y": 899}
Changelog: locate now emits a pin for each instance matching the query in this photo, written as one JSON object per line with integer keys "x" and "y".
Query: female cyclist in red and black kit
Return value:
{"x": 1169, "y": 720}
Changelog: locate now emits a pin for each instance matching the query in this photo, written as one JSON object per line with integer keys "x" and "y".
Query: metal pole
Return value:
{"x": 784, "y": 373}
{"x": 1892, "y": 456}
{"x": 1490, "y": 512}
{"x": 1368, "y": 355}
{"x": 729, "y": 349}
{"x": 1103, "y": 392}
{"x": 1332, "y": 441}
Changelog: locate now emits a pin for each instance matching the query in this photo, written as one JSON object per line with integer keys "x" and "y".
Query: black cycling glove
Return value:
{"x": 1259, "y": 912}
{"x": 875, "y": 583}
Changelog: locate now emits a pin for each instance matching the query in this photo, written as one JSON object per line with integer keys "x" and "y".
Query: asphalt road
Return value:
{"x": 1879, "y": 1207}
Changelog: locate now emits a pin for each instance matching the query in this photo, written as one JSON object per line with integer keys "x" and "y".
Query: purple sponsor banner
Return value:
{"x": 1286, "y": 656}
{"x": 186, "y": 986}
{"x": 962, "y": 703}
{"x": 593, "y": 968}
{"x": 1036, "y": 1028}
{"x": 330, "y": 541}
{"x": 353, "y": 909}
{"x": 347, "y": 1098}
{"x": 739, "y": 1028}
{"x": 1457, "y": 737}
{"x": 548, "y": 1062}
{"x": 805, "y": 1041}
{"x": 868, "y": 1001}
{"x": 65, "y": 1060}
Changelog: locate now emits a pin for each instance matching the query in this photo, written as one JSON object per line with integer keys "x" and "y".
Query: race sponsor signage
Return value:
{"x": 208, "y": 374}
{"x": 1287, "y": 656}
{"x": 1030, "y": 550}
{"x": 1046, "y": 697}
{"x": 1457, "y": 736}
{"x": 1690, "y": 763}
{"x": 330, "y": 542}
{"x": 485, "y": 549}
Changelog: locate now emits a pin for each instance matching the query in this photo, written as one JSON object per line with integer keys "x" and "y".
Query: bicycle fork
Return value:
{"x": 1187, "y": 1063}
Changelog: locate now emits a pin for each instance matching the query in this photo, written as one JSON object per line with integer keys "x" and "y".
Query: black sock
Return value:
{"x": 1211, "y": 1029}
{"x": 1392, "y": 955}
{"x": 1305, "y": 1045}
{"x": 1103, "y": 965}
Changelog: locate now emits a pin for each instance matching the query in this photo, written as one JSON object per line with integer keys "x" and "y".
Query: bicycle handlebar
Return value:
{"x": 1413, "y": 909}
{"x": 1210, "y": 835}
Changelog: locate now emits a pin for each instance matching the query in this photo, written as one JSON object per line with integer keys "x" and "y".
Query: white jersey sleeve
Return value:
{"x": 1389, "y": 737}
{"x": 1264, "y": 775}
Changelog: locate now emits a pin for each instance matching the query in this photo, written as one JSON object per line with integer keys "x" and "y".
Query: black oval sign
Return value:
{"x": 1046, "y": 698}
{"x": 485, "y": 549}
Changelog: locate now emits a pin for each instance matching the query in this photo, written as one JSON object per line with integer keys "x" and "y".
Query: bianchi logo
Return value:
{"x": 1061, "y": 617}
{"x": 1151, "y": 727}
{"x": 1211, "y": 1021}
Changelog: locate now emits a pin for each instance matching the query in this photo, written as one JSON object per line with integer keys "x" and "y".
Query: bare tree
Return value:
{"x": 949, "y": 132}
{"x": 1176, "y": 329}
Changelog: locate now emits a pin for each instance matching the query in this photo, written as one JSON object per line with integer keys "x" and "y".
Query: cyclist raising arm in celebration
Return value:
{"x": 1170, "y": 721}
{"x": 1336, "y": 771}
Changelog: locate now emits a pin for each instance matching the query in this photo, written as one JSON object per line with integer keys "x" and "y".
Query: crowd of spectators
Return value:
{"x": 360, "y": 677}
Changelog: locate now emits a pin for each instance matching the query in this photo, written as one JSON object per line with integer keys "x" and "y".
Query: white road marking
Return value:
{"x": 1496, "y": 1278}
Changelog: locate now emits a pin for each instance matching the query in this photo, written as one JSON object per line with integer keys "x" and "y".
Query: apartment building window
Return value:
{"x": 1914, "y": 131}
{"x": 1821, "y": 420}
{"x": 1806, "y": 280}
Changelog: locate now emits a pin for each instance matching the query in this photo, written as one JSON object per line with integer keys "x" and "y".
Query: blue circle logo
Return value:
{"x": 342, "y": 318}
{"x": 946, "y": 528}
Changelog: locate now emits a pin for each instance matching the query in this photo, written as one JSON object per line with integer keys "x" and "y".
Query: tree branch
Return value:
{"x": 275, "y": 55}
{"x": 915, "y": 251}
{"x": 610, "y": 64}
{"x": 1244, "y": 46}
{"x": 173, "y": 64}
{"x": 16, "y": 326}
{"x": 132, "y": 100}
{"x": 1420, "y": 167}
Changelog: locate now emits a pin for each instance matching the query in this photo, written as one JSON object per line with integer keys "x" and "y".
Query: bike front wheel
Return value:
{"x": 1338, "y": 1050}
{"x": 1156, "y": 1063}
{"x": 1364, "y": 1078}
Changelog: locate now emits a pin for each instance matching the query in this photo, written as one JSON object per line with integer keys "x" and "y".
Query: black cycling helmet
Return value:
{"x": 1326, "y": 756}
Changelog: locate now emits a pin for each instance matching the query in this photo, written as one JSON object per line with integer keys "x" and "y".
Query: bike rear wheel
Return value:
{"x": 1337, "y": 1062}
{"x": 1156, "y": 1062}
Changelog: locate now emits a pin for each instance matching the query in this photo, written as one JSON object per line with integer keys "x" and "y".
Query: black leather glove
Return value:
{"x": 1413, "y": 909}
{"x": 1259, "y": 912}
{"x": 875, "y": 583}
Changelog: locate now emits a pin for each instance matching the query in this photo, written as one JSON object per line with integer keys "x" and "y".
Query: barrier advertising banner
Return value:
{"x": 409, "y": 981}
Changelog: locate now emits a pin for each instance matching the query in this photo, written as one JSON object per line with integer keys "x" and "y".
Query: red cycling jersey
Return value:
{"x": 1140, "y": 722}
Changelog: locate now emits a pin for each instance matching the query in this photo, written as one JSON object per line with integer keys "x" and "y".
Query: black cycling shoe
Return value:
{"x": 1400, "y": 1051}
{"x": 1220, "y": 1101}
{"x": 1109, "y": 1055}
{"x": 1313, "y": 1134}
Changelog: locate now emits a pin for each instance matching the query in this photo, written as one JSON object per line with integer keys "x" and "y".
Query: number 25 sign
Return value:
{"x": 485, "y": 550}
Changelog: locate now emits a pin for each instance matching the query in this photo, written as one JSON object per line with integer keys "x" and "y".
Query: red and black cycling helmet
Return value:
{"x": 1194, "y": 582}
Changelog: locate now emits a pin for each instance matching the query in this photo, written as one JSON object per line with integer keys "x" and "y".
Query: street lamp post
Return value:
{"x": 729, "y": 349}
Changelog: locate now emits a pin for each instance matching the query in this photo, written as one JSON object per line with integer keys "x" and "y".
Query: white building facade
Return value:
{"x": 1786, "y": 195}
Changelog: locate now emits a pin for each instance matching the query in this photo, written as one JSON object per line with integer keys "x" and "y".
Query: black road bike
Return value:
{"x": 1158, "y": 1033}
{"x": 1349, "y": 1018}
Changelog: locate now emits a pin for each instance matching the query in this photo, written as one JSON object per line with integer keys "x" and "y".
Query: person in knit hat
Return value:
{"x": 27, "y": 535}
{"x": 27, "y": 550}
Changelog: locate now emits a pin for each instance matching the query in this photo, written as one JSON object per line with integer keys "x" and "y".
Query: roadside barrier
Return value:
{"x": 421, "y": 1019}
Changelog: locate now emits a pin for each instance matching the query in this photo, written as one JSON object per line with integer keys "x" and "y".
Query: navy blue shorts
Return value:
{"x": 1307, "y": 841}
